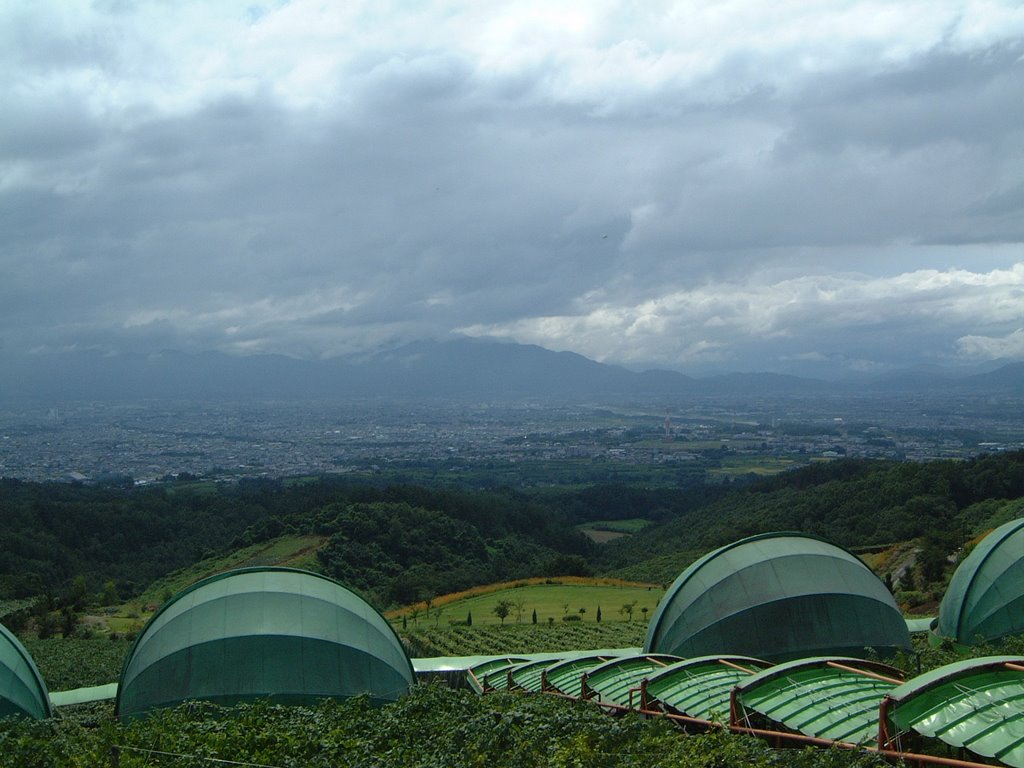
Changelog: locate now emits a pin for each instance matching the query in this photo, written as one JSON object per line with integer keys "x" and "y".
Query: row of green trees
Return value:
{"x": 399, "y": 544}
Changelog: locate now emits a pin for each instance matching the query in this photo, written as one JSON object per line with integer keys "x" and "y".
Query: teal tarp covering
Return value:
{"x": 920, "y": 626}
{"x": 84, "y": 695}
{"x": 777, "y": 596}
{"x": 976, "y": 704}
{"x": 22, "y": 690}
{"x": 617, "y": 681}
{"x": 830, "y": 698}
{"x": 567, "y": 676}
{"x": 985, "y": 598}
{"x": 263, "y": 632}
{"x": 701, "y": 687}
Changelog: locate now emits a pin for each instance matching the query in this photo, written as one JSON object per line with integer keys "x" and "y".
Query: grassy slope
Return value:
{"x": 289, "y": 551}
{"x": 128, "y": 618}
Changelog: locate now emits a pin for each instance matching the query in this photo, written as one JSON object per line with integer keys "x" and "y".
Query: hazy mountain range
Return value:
{"x": 466, "y": 368}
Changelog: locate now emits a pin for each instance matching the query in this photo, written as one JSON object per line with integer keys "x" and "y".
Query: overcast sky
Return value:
{"x": 736, "y": 185}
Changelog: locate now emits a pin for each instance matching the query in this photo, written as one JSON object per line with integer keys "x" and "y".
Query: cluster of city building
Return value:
{"x": 148, "y": 442}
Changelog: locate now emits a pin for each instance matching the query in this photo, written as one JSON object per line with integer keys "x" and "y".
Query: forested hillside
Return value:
{"x": 52, "y": 533}
{"x": 393, "y": 543}
{"x": 397, "y": 544}
{"x": 853, "y": 503}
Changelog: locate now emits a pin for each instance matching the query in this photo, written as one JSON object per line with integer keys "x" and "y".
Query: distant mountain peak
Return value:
{"x": 452, "y": 368}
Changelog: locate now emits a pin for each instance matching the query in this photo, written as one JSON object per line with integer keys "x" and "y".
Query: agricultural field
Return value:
{"x": 73, "y": 662}
{"x": 631, "y": 525}
{"x": 128, "y": 618}
{"x": 601, "y": 531}
{"x": 431, "y": 726}
{"x": 426, "y": 641}
{"x": 554, "y": 600}
{"x": 13, "y": 606}
{"x": 738, "y": 466}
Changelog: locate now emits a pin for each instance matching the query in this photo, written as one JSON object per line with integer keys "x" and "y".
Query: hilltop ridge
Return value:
{"x": 459, "y": 368}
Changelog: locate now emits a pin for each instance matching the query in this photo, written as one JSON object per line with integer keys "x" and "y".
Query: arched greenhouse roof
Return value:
{"x": 777, "y": 596}
{"x": 478, "y": 675}
{"x": 985, "y": 598}
{"x": 825, "y": 697}
{"x": 22, "y": 690}
{"x": 567, "y": 676}
{"x": 529, "y": 676}
{"x": 700, "y": 687}
{"x": 253, "y": 633}
{"x": 977, "y": 704}
{"x": 615, "y": 681}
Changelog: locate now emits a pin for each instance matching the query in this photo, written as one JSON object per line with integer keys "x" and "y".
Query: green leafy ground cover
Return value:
{"x": 432, "y": 726}
{"x": 73, "y": 662}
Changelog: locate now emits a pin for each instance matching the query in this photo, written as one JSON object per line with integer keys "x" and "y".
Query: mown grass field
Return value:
{"x": 552, "y": 602}
{"x": 732, "y": 466}
{"x": 603, "y": 531}
{"x": 631, "y": 525}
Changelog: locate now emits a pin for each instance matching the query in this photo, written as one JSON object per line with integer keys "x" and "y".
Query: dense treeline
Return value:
{"x": 54, "y": 532}
{"x": 395, "y": 543}
{"x": 402, "y": 543}
{"x": 854, "y": 503}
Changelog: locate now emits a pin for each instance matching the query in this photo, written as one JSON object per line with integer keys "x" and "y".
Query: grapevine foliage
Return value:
{"x": 428, "y": 641}
{"x": 432, "y": 726}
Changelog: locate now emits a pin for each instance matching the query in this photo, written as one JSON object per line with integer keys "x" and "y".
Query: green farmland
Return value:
{"x": 552, "y": 602}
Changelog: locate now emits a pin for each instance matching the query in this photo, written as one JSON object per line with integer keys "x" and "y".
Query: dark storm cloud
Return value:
{"x": 323, "y": 184}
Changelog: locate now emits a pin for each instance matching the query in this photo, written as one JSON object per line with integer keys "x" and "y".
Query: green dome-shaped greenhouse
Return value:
{"x": 22, "y": 690}
{"x": 278, "y": 633}
{"x": 985, "y": 598}
{"x": 777, "y": 596}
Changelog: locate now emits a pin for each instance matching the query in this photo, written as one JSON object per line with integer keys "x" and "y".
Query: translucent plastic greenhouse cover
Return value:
{"x": 976, "y": 704}
{"x": 477, "y": 675}
{"x": 829, "y": 698}
{"x": 985, "y": 598}
{"x": 777, "y": 596}
{"x": 613, "y": 681}
{"x": 567, "y": 676}
{"x": 22, "y": 690}
{"x": 700, "y": 687}
{"x": 263, "y": 632}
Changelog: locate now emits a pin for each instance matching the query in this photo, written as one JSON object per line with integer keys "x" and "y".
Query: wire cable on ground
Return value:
{"x": 217, "y": 760}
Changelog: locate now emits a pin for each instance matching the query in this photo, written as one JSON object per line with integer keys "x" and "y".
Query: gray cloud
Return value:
{"x": 317, "y": 185}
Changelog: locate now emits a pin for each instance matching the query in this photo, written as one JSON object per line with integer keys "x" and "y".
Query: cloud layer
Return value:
{"x": 685, "y": 185}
